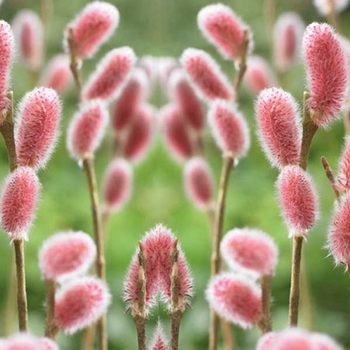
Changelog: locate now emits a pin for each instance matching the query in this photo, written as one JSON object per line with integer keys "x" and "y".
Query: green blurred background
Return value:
{"x": 166, "y": 28}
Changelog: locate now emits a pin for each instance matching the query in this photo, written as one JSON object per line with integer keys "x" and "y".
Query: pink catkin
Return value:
{"x": 258, "y": 75}
{"x": 235, "y": 298}
{"x": 287, "y": 35}
{"x": 129, "y": 99}
{"x": 279, "y": 127}
{"x": 37, "y": 127}
{"x": 327, "y": 72}
{"x": 18, "y": 202}
{"x": 66, "y": 254}
{"x": 57, "y": 74}
{"x": 224, "y": 29}
{"x": 251, "y": 251}
{"x": 110, "y": 75}
{"x": 165, "y": 67}
{"x": 324, "y": 6}
{"x": 28, "y": 32}
{"x": 23, "y": 341}
{"x": 298, "y": 200}
{"x": 81, "y": 302}
{"x": 48, "y": 344}
{"x": 266, "y": 341}
{"x": 92, "y": 27}
{"x": 293, "y": 339}
{"x": 7, "y": 47}
{"x": 138, "y": 138}
{"x": 149, "y": 65}
{"x": 342, "y": 181}
{"x": 117, "y": 184}
{"x": 185, "y": 97}
{"x": 229, "y": 128}
{"x": 205, "y": 75}
{"x": 339, "y": 232}
{"x": 159, "y": 341}
{"x": 86, "y": 129}
{"x": 324, "y": 342}
{"x": 176, "y": 133}
{"x": 199, "y": 183}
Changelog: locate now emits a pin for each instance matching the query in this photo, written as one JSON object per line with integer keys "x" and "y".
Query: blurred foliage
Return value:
{"x": 166, "y": 28}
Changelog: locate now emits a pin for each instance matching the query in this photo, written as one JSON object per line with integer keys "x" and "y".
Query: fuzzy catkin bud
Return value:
{"x": 324, "y": 7}
{"x": 199, "y": 183}
{"x": 205, "y": 75}
{"x": 110, "y": 75}
{"x": 81, "y": 302}
{"x": 92, "y": 27}
{"x": 28, "y": 32}
{"x": 235, "y": 298}
{"x": 279, "y": 128}
{"x": 159, "y": 341}
{"x": 117, "y": 184}
{"x": 229, "y": 128}
{"x": 342, "y": 181}
{"x": 266, "y": 341}
{"x": 18, "y": 202}
{"x": 324, "y": 342}
{"x": 251, "y": 251}
{"x": 293, "y": 338}
{"x": 327, "y": 72}
{"x": 22, "y": 341}
{"x": 48, "y": 344}
{"x": 37, "y": 127}
{"x": 86, "y": 129}
{"x": 66, "y": 254}
{"x": 298, "y": 200}
{"x": 224, "y": 29}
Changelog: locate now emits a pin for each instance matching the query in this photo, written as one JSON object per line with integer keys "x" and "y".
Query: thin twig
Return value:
{"x": 51, "y": 329}
{"x": 330, "y": 176}
{"x": 265, "y": 323}
{"x": 75, "y": 62}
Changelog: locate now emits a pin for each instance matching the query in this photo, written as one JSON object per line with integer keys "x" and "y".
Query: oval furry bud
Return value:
{"x": 224, "y": 29}
{"x": 251, "y": 251}
{"x": 279, "y": 127}
{"x": 327, "y": 72}
{"x": 324, "y": 342}
{"x": 110, "y": 75}
{"x": 199, "y": 183}
{"x": 18, "y": 202}
{"x": 66, "y": 254}
{"x": 48, "y": 344}
{"x": 293, "y": 338}
{"x": 324, "y": 7}
{"x": 266, "y": 341}
{"x": 81, "y": 302}
{"x": 93, "y": 26}
{"x": 159, "y": 341}
{"x": 235, "y": 298}
{"x": 86, "y": 129}
{"x": 22, "y": 341}
{"x": 205, "y": 75}
{"x": 117, "y": 184}
{"x": 37, "y": 127}
{"x": 28, "y": 32}
{"x": 298, "y": 200}
{"x": 229, "y": 128}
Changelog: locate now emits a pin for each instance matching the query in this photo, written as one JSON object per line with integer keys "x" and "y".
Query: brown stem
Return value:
{"x": 21, "y": 285}
{"x": 305, "y": 296}
{"x": 217, "y": 232}
{"x": 227, "y": 334}
{"x": 51, "y": 329}
{"x": 295, "y": 281}
{"x": 265, "y": 323}
{"x": 89, "y": 168}
{"x": 74, "y": 61}
{"x": 10, "y": 304}
{"x": 330, "y": 176}
{"x": 332, "y": 16}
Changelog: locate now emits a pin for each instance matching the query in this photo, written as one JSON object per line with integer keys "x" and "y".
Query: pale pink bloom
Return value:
{"x": 185, "y": 97}
{"x": 293, "y": 339}
{"x": 37, "y": 127}
{"x": 81, "y": 302}
{"x": 159, "y": 341}
{"x": 28, "y": 31}
{"x": 324, "y": 6}
{"x": 138, "y": 138}
{"x": 258, "y": 75}
{"x": 66, "y": 254}
{"x": 287, "y": 35}
{"x": 92, "y": 27}
{"x": 229, "y": 128}
{"x": 199, "y": 183}
{"x": 23, "y": 341}
{"x": 224, "y": 29}
{"x": 130, "y": 97}
{"x": 166, "y": 65}
{"x": 117, "y": 184}
{"x": 7, "y": 48}
{"x": 266, "y": 341}
{"x": 235, "y": 298}
{"x": 158, "y": 244}
{"x": 339, "y": 232}
{"x": 342, "y": 181}
{"x": 327, "y": 72}
{"x": 48, "y": 344}
{"x": 279, "y": 127}
{"x": 324, "y": 342}
{"x": 87, "y": 129}
{"x": 111, "y": 74}
{"x": 177, "y": 135}
{"x": 149, "y": 65}
{"x": 18, "y": 203}
{"x": 57, "y": 74}
{"x": 205, "y": 75}
{"x": 298, "y": 200}
{"x": 251, "y": 251}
